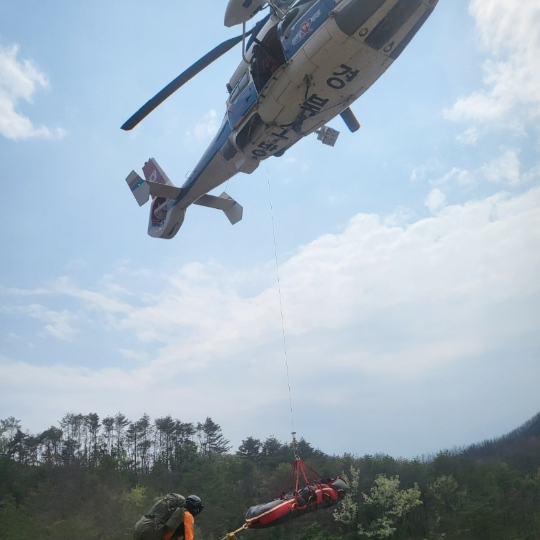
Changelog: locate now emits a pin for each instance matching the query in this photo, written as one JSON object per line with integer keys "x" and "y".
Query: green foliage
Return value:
{"x": 388, "y": 505}
{"x": 315, "y": 531}
{"x": 348, "y": 510}
{"x": 135, "y": 503}
{"x": 70, "y": 528}
{"x": 93, "y": 478}
{"x": 444, "y": 498}
{"x": 211, "y": 440}
{"x": 136, "y": 496}
{"x": 15, "y": 523}
{"x": 250, "y": 449}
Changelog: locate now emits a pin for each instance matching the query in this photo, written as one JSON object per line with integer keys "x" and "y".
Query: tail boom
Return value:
{"x": 168, "y": 208}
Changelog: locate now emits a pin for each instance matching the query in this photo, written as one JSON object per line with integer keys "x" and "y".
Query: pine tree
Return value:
{"x": 211, "y": 440}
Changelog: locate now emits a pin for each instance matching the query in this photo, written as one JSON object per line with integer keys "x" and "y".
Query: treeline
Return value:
{"x": 113, "y": 441}
{"x": 520, "y": 448}
{"x": 92, "y": 480}
{"x": 137, "y": 446}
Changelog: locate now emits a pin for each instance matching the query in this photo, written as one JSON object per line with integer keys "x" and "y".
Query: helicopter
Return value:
{"x": 303, "y": 63}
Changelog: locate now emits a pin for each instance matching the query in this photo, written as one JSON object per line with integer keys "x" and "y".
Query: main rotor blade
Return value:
{"x": 182, "y": 79}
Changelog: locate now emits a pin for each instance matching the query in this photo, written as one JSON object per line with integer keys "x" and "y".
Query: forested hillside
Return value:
{"x": 93, "y": 478}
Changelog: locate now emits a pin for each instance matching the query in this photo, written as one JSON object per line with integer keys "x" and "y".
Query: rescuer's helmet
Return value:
{"x": 194, "y": 505}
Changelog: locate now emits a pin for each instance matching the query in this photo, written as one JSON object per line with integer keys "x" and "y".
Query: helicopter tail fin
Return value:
{"x": 154, "y": 173}
{"x": 158, "y": 181}
{"x": 139, "y": 188}
{"x": 157, "y": 184}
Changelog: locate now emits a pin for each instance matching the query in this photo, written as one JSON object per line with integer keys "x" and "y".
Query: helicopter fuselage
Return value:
{"x": 297, "y": 74}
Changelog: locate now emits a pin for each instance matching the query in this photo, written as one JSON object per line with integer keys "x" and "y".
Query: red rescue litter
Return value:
{"x": 315, "y": 494}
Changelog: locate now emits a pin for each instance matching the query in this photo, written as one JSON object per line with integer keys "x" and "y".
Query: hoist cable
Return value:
{"x": 280, "y": 299}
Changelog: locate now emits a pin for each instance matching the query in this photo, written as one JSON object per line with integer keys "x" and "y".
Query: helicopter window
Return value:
{"x": 300, "y": 2}
{"x": 242, "y": 83}
{"x": 284, "y": 4}
{"x": 294, "y": 15}
{"x": 289, "y": 18}
{"x": 267, "y": 57}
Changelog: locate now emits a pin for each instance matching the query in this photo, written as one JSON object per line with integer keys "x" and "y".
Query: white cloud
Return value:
{"x": 469, "y": 136}
{"x": 479, "y": 252}
{"x": 58, "y": 323}
{"x": 509, "y": 33}
{"x": 435, "y": 200}
{"x": 19, "y": 80}
{"x": 402, "y": 216}
{"x": 532, "y": 174}
{"x": 13, "y": 291}
{"x": 503, "y": 169}
{"x": 102, "y": 301}
{"x": 462, "y": 177}
{"x": 418, "y": 173}
{"x": 134, "y": 355}
{"x": 205, "y": 129}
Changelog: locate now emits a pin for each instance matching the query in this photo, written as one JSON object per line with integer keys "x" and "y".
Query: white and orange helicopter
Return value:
{"x": 302, "y": 64}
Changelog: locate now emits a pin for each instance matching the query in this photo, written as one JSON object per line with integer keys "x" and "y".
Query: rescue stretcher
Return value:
{"x": 314, "y": 496}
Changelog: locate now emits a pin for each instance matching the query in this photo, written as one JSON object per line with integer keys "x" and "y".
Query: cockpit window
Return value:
{"x": 300, "y": 2}
{"x": 284, "y": 4}
{"x": 240, "y": 85}
{"x": 287, "y": 4}
{"x": 297, "y": 10}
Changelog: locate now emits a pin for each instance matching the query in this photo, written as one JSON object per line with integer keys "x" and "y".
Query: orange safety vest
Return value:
{"x": 189, "y": 522}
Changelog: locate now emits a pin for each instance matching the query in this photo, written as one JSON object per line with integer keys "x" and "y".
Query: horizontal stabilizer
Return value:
{"x": 163, "y": 190}
{"x": 139, "y": 188}
{"x": 224, "y": 202}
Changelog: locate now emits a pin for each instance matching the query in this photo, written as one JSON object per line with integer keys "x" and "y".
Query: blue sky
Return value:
{"x": 408, "y": 253}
